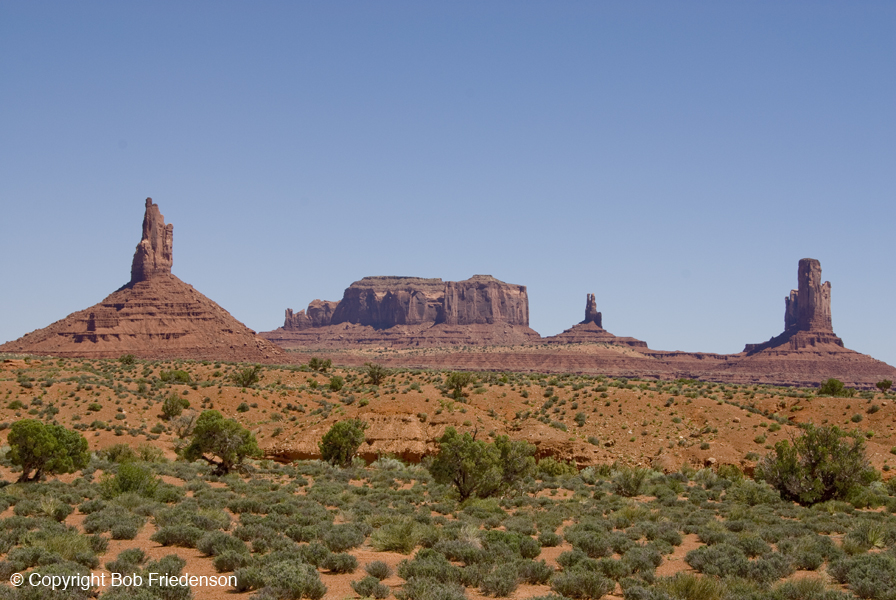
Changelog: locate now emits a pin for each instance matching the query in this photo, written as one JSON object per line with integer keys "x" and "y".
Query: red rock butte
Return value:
{"x": 412, "y": 311}
{"x": 155, "y": 315}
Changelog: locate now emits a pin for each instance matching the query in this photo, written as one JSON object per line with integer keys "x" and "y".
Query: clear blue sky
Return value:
{"x": 675, "y": 158}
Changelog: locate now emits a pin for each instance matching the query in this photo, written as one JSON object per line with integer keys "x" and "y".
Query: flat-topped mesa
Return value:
{"x": 154, "y": 252}
{"x": 807, "y": 313}
{"x": 591, "y": 314}
{"x": 384, "y": 302}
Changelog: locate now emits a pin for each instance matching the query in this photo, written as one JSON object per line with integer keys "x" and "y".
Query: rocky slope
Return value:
{"x": 155, "y": 315}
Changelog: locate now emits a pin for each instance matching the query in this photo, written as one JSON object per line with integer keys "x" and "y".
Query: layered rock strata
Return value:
{"x": 155, "y": 315}
{"x": 412, "y": 311}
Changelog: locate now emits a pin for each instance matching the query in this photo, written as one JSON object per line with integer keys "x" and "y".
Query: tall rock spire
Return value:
{"x": 153, "y": 255}
{"x": 591, "y": 314}
{"x": 808, "y": 308}
{"x": 807, "y": 314}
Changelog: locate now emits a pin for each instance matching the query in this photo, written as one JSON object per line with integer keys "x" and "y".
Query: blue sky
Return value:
{"x": 675, "y": 159}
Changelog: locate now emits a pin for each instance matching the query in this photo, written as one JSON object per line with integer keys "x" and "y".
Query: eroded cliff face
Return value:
{"x": 808, "y": 308}
{"x": 385, "y": 302}
{"x": 482, "y": 299}
{"x": 154, "y": 255}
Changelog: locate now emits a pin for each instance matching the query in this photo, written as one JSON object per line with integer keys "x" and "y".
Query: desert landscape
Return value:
{"x": 418, "y": 439}
{"x": 447, "y": 300}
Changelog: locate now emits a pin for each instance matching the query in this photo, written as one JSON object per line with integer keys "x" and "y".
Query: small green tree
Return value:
{"x": 319, "y": 365}
{"x": 835, "y": 387}
{"x": 336, "y": 383}
{"x": 45, "y": 449}
{"x": 884, "y": 385}
{"x": 339, "y": 445}
{"x": 247, "y": 377}
{"x": 476, "y": 468}
{"x": 173, "y": 406}
{"x": 376, "y": 373}
{"x": 224, "y": 439}
{"x": 457, "y": 381}
{"x": 823, "y": 464}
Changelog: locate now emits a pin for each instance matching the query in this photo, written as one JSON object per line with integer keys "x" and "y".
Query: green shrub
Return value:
{"x": 230, "y": 560}
{"x": 370, "y": 587}
{"x": 581, "y": 584}
{"x": 378, "y": 569}
{"x": 824, "y": 463}
{"x": 130, "y": 477}
{"x": 319, "y": 365}
{"x": 629, "y": 482}
{"x": 868, "y": 575}
{"x": 376, "y": 373}
{"x": 341, "y": 442}
{"x": 340, "y": 563}
{"x": 174, "y": 406}
{"x": 401, "y": 535}
{"x": 185, "y": 536}
{"x": 175, "y": 376}
{"x": 336, "y": 383}
{"x": 501, "y": 581}
{"x": 247, "y": 376}
{"x": 214, "y": 543}
{"x": 534, "y": 572}
{"x": 340, "y": 538}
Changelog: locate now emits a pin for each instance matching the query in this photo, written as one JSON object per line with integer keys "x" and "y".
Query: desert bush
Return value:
{"x": 456, "y": 381}
{"x": 214, "y": 543}
{"x": 247, "y": 376}
{"x": 127, "y": 562}
{"x": 378, "y": 569}
{"x": 341, "y": 442}
{"x": 185, "y": 536}
{"x": 129, "y": 477}
{"x": 549, "y": 539}
{"x": 551, "y": 467}
{"x": 501, "y": 581}
{"x": 430, "y": 589}
{"x": 340, "y": 562}
{"x": 376, "y": 373}
{"x": 230, "y": 560}
{"x": 824, "y": 463}
{"x": 429, "y": 564}
{"x": 319, "y": 365}
{"x": 398, "y": 535}
{"x": 283, "y": 579}
{"x": 629, "y": 481}
{"x": 534, "y": 572}
{"x": 581, "y": 584}
{"x": 173, "y": 406}
{"x": 869, "y": 575}
{"x": 370, "y": 587}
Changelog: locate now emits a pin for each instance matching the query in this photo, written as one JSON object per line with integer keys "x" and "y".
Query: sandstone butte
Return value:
{"x": 154, "y": 315}
{"x": 490, "y": 318}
